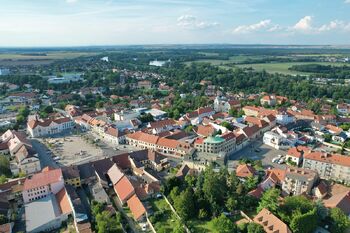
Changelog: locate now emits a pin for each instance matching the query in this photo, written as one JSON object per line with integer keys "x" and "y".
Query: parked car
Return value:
{"x": 275, "y": 160}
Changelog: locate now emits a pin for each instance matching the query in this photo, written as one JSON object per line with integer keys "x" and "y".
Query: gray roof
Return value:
{"x": 41, "y": 211}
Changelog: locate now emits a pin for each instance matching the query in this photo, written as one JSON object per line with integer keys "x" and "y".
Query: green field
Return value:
{"x": 277, "y": 67}
{"x": 44, "y": 56}
{"x": 283, "y": 67}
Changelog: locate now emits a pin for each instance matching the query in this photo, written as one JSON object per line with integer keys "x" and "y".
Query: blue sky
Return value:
{"x": 120, "y": 22}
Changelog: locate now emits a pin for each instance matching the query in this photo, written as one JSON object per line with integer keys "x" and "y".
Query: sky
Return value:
{"x": 127, "y": 22}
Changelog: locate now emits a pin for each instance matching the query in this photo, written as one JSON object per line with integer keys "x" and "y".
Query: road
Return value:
{"x": 266, "y": 154}
{"x": 44, "y": 156}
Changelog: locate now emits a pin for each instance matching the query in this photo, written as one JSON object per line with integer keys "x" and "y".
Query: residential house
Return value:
{"x": 71, "y": 176}
{"x": 251, "y": 111}
{"x": 149, "y": 159}
{"x": 340, "y": 200}
{"x": 270, "y": 222}
{"x": 137, "y": 208}
{"x": 114, "y": 135}
{"x": 245, "y": 170}
{"x": 162, "y": 126}
{"x": 328, "y": 166}
{"x": 299, "y": 181}
{"x": 343, "y": 108}
{"x": 124, "y": 189}
{"x": 24, "y": 157}
{"x": 269, "y": 100}
{"x": 295, "y": 154}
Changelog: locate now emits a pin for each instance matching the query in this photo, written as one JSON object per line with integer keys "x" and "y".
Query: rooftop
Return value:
{"x": 34, "y": 212}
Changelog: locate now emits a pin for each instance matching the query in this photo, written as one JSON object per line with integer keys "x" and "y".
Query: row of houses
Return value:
{"x": 23, "y": 157}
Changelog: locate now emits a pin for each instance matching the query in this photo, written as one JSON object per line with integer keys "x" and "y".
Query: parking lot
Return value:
{"x": 258, "y": 151}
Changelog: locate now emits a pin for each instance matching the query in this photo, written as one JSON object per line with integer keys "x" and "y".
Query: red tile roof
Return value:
{"x": 270, "y": 222}
{"x": 244, "y": 170}
{"x": 63, "y": 201}
{"x": 341, "y": 200}
{"x": 328, "y": 158}
{"x": 205, "y": 131}
{"x": 45, "y": 177}
{"x": 124, "y": 189}
{"x": 136, "y": 207}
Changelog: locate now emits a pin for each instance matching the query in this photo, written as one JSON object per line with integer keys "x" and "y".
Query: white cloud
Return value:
{"x": 191, "y": 22}
{"x": 71, "y": 1}
{"x": 347, "y": 1}
{"x": 264, "y": 24}
{"x": 304, "y": 24}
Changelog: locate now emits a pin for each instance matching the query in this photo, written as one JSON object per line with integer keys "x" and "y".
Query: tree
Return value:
{"x": 146, "y": 118}
{"x": 304, "y": 223}
{"x": 223, "y": 224}
{"x": 3, "y": 219}
{"x": 340, "y": 222}
{"x": 179, "y": 227}
{"x": 254, "y": 228}
{"x": 251, "y": 182}
{"x": 107, "y": 224}
{"x": 227, "y": 125}
{"x": 231, "y": 204}
{"x": 322, "y": 211}
{"x": 293, "y": 205}
{"x": 269, "y": 200}
{"x": 4, "y": 166}
{"x": 184, "y": 204}
{"x": 3, "y": 179}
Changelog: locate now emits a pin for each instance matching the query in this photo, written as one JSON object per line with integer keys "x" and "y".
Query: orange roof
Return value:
{"x": 244, "y": 170}
{"x": 334, "y": 129}
{"x": 276, "y": 174}
{"x": 252, "y": 108}
{"x": 328, "y": 158}
{"x": 124, "y": 189}
{"x": 257, "y": 193}
{"x": 205, "y": 131}
{"x": 168, "y": 142}
{"x": 145, "y": 137}
{"x": 270, "y": 222}
{"x": 342, "y": 201}
{"x": 63, "y": 201}
{"x": 45, "y": 177}
{"x": 256, "y": 121}
{"x": 136, "y": 207}
{"x": 298, "y": 151}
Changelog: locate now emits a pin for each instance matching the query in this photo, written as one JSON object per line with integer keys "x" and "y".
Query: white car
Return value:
{"x": 275, "y": 160}
{"x": 281, "y": 161}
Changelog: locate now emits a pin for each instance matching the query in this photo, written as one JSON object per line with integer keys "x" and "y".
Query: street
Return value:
{"x": 44, "y": 156}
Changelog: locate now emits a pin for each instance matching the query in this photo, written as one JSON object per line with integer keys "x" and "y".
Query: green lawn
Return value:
{"x": 167, "y": 219}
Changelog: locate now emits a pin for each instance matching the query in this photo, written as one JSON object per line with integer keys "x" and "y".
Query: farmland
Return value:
{"x": 10, "y": 59}
{"x": 244, "y": 61}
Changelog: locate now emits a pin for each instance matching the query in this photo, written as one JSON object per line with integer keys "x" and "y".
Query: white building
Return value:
{"x": 284, "y": 118}
{"x": 274, "y": 140}
{"x": 40, "y": 185}
{"x": 46, "y": 127}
